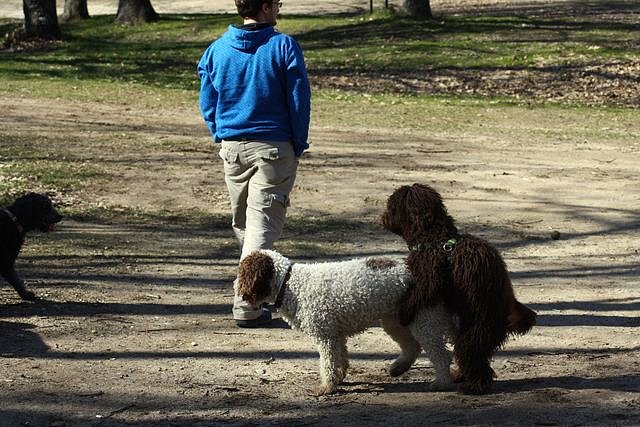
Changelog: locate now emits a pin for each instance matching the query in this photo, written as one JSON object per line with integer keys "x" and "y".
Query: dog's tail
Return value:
{"x": 520, "y": 319}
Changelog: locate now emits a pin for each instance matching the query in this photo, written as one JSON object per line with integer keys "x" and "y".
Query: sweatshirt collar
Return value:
{"x": 253, "y": 26}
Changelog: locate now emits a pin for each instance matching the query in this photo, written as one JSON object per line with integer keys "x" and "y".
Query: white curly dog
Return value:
{"x": 334, "y": 300}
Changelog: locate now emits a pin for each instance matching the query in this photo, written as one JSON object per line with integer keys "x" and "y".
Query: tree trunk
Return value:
{"x": 75, "y": 10}
{"x": 132, "y": 12}
{"x": 40, "y": 19}
{"x": 420, "y": 9}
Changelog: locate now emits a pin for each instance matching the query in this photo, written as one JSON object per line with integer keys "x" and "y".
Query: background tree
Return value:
{"x": 132, "y": 12}
{"x": 40, "y": 19}
{"x": 75, "y": 10}
{"x": 420, "y": 9}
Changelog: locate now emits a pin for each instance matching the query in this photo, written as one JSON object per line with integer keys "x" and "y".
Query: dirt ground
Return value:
{"x": 134, "y": 327}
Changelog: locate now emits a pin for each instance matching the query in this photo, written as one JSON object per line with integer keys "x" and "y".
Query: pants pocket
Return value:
{"x": 229, "y": 156}
{"x": 275, "y": 166}
{"x": 273, "y": 200}
{"x": 269, "y": 154}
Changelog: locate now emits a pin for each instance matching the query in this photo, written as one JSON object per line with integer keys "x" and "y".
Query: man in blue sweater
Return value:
{"x": 255, "y": 99}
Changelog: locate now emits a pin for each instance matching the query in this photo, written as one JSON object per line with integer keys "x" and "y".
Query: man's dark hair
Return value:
{"x": 250, "y": 8}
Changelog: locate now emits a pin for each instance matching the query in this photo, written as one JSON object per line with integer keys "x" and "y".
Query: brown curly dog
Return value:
{"x": 465, "y": 272}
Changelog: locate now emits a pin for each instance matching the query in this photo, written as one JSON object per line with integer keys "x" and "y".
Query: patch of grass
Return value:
{"x": 19, "y": 177}
{"x": 116, "y": 231}
{"x": 311, "y": 237}
{"x": 121, "y": 215}
{"x": 311, "y": 226}
{"x": 459, "y": 115}
{"x": 98, "y": 50}
{"x": 163, "y": 55}
{"x": 304, "y": 237}
{"x": 43, "y": 164}
{"x": 392, "y": 43}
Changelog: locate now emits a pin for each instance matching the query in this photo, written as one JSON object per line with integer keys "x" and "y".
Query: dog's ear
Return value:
{"x": 408, "y": 212}
{"x": 426, "y": 208}
{"x": 416, "y": 210}
{"x": 255, "y": 274}
{"x": 23, "y": 209}
{"x": 394, "y": 217}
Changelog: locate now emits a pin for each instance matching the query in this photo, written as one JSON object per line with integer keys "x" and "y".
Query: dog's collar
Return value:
{"x": 283, "y": 286}
{"x": 14, "y": 219}
{"x": 447, "y": 245}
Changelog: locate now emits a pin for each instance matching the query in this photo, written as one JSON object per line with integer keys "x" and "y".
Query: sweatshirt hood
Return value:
{"x": 245, "y": 40}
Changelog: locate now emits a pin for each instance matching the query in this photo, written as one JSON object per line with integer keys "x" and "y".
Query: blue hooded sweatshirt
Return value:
{"x": 254, "y": 85}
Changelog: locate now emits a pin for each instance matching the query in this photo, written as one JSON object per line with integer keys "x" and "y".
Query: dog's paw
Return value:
{"x": 457, "y": 375}
{"x": 442, "y": 385}
{"x": 398, "y": 368}
{"x": 27, "y": 295}
{"x": 341, "y": 374}
{"x": 324, "y": 389}
{"x": 474, "y": 388}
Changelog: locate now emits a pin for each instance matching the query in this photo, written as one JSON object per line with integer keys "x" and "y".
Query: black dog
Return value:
{"x": 30, "y": 212}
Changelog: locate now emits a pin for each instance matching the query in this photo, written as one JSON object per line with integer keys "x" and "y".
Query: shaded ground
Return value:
{"x": 606, "y": 81}
{"x": 614, "y": 83}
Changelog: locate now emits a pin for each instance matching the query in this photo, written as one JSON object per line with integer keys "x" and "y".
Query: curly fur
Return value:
{"x": 471, "y": 279}
{"x": 332, "y": 301}
{"x": 30, "y": 212}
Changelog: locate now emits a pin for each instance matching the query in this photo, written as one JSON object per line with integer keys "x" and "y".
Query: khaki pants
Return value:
{"x": 259, "y": 176}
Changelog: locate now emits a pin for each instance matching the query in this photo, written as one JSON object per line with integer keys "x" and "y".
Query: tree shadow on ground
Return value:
{"x": 608, "y": 304}
{"x": 624, "y": 383}
{"x": 119, "y": 56}
{"x": 549, "y": 9}
{"x": 305, "y": 239}
{"x": 514, "y": 29}
{"x": 17, "y": 339}
{"x": 45, "y": 307}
